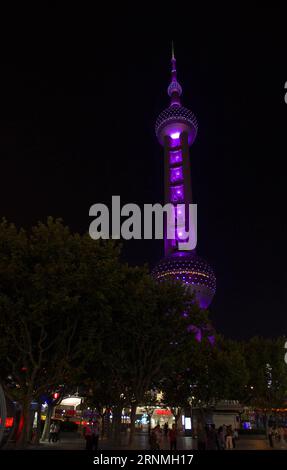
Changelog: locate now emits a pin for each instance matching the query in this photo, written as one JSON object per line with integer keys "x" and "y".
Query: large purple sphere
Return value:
{"x": 191, "y": 270}
{"x": 176, "y": 118}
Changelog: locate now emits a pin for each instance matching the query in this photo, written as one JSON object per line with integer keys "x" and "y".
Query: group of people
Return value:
{"x": 158, "y": 434}
{"x": 277, "y": 435}
{"x": 54, "y": 432}
{"x": 210, "y": 438}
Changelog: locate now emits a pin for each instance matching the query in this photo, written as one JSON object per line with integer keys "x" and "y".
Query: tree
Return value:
{"x": 215, "y": 372}
{"x": 147, "y": 332}
{"x": 267, "y": 385}
{"x": 50, "y": 282}
{"x": 221, "y": 373}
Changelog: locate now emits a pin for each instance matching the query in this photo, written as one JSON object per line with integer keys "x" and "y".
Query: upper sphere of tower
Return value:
{"x": 174, "y": 87}
{"x": 174, "y": 120}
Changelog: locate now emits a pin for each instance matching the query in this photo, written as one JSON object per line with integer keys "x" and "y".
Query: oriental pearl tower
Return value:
{"x": 176, "y": 129}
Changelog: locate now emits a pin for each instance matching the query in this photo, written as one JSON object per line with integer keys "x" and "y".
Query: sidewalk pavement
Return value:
{"x": 74, "y": 441}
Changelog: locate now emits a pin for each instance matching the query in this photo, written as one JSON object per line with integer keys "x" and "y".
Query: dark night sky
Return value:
{"x": 75, "y": 131}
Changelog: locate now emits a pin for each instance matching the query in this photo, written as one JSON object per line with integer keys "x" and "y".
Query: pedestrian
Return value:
{"x": 52, "y": 431}
{"x": 158, "y": 433}
{"x": 155, "y": 438}
{"x": 56, "y": 435}
{"x": 270, "y": 436}
{"x": 220, "y": 438}
{"x": 88, "y": 435}
{"x": 229, "y": 435}
{"x": 152, "y": 440}
{"x": 165, "y": 429}
{"x": 172, "y": 438}
{"x": 201, "y": 437}
{"x": 95, "y": 435}
{"x": 281, "y": 434}
{"x": 224, "y": 427}
{"x": 234, "y": 438}
{"x": 211, "y": 438}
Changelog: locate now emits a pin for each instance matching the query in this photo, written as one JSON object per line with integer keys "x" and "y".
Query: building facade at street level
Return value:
{"x": 176, "y": 129}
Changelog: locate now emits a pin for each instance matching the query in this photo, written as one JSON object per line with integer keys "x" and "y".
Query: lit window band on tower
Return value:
{"x": 176, "y": 130}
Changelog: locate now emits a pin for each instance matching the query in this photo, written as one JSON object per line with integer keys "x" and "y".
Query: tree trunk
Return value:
{"x": 46, "y": 430}
{"x": 117, "y": 418}
{"x": 25, "y": 434}
{"x": 38, "y": 430}
{"x": 108, "y": 425}
{"x": 132, "y": 427}
{"x": 202, "y": 417}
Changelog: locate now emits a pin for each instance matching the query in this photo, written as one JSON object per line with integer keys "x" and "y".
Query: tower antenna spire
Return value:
{"x": 174, "y": 90}
{"x": 172, "y": 50}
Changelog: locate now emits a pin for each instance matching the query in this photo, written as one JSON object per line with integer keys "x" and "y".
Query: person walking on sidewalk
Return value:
{"x": 201, "y": 437}
{"x": 88, "y": 435}
{"x": 270, "y": 436}
{"x": 52, "y": 431}
{"x": 56, "y": 435}
{"x": 156, "y": 438}
{"x": 95, "y": 435}
{"x": 220, "y": 438}
{"x": 172, "y": 434}
{"x": 165, "y": 429}
{"x": 211, "y": 438}
{"x": 229, "y": 436}
{"x": 235, "y": 437}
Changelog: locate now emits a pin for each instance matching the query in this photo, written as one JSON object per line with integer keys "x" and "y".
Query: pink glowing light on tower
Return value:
{"x": 175, "y": 135}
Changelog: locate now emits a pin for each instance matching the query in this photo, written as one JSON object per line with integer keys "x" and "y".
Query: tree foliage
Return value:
{"x": 72, "y": 313}
{"x": 267, "y": 385}
{"x": 51, "y": 281}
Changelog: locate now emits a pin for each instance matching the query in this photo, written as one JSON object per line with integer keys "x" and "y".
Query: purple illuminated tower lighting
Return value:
{"x": 176, "y": 129}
